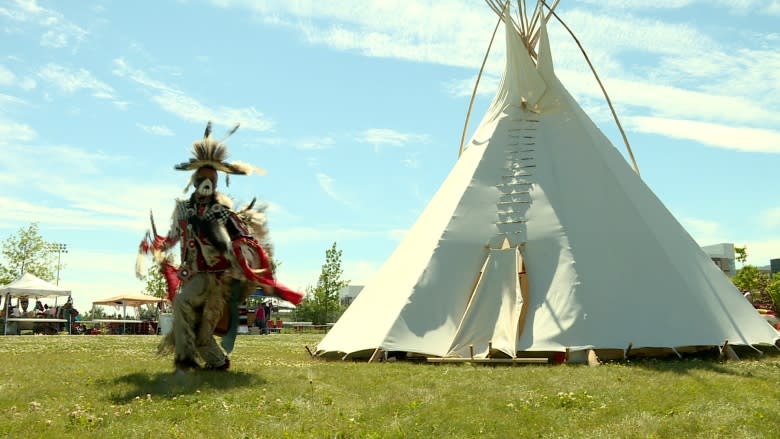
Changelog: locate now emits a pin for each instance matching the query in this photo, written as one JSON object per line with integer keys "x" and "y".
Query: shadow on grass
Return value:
{"x": 168, "y": 385}
{"x": 709, "y": 360}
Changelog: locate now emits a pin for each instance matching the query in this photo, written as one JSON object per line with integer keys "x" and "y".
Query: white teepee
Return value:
{"x": 542, "y": 238}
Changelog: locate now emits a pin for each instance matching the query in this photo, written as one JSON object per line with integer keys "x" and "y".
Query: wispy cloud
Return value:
{"x": 739, "y": 7}
{"x": 412, "y": 160}
{"x": 722, "y": 136}
{"x": 694, "y": 78}
{"x": 770, "y": 218}
{"x": 58, "y": 32}
{"x": 316, "y": 143}
{"x": 488, "y": 84}
{"x": 71, "y": 81}
{"x": 760, "y": 251}
{"x": 327, "y": 184}
{"x": 307, "y": 234}
{"x": 155, "y": 129}
{"x": 101, "y": 201}
{"x": 93, "y": 275}
{"x": 418, "y": 31}
{"x": 7, "y": 78}
{"x": 12, "y": 132}
{"x": 188, "y": 108}
{"x": 705, "y": 232}
{"x": 390, "y": 137}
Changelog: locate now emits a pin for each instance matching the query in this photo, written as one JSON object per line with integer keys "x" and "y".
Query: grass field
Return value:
{"x": 114, "y": 386}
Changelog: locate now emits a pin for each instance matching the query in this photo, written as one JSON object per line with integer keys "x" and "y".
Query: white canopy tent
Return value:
{"x": 133, "y": 300}
{"x": 543, "y": 239}
{"x": 129, "y": 299}
{"x": 29, "y": 285}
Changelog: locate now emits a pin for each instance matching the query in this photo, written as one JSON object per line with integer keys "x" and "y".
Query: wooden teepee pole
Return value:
{"x": 603, "y": 90}
{"x": 476, "y": 84}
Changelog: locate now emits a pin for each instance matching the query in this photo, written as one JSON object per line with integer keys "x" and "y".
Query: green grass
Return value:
{"x": 114, "y": 386}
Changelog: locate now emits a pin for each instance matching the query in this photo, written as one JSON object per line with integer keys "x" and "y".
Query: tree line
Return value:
{"x": 27, "y": 251}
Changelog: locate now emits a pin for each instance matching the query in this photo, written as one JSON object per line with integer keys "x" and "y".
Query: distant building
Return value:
{"x": 349, "y": 293}
{"x": 723, "y": 256}
{"x": 774, "y": 266}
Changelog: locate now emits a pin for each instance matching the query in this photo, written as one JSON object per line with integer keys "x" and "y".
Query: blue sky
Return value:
{"x": 355, "y": 109}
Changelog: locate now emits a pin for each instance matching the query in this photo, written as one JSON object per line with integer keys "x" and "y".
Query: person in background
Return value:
{"x": 268, "y": 311}
{"x": 260, "y": 319}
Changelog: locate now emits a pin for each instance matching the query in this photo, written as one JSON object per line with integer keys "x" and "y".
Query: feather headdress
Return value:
{"x": 212, "y": 153}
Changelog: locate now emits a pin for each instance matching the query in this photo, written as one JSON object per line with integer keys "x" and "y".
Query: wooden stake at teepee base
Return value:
{"x": 593, "y": 359}
{"x": 728, "y": 353}
{"x": 489, "y": 361}
{"x": 375, "y": 355}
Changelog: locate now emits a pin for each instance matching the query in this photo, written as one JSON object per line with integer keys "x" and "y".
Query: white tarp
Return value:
{"x": 492, "y": 315}
{"x": 32, "y": 286}
{"x": 128, "y": 299}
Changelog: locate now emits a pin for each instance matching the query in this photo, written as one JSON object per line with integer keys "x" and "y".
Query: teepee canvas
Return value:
{"x": 543, "y": 239}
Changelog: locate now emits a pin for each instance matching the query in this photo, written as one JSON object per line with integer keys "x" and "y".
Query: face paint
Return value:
{"x": 205, "y": 182}
{"x": 204, "y": 187}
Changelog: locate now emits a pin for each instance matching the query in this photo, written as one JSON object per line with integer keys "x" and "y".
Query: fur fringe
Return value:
{"x": 257, "y": 222}
{"x": 140, "y": 266}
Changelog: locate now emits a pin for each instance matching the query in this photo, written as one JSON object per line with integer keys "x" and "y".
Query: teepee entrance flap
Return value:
{"x": 490, "y": 323}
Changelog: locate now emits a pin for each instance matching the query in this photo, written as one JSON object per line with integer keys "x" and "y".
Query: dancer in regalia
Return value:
{"x": 224, "y": 258}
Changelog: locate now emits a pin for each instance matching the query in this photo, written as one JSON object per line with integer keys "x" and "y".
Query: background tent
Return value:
{"x": 130, "y": 299}
{"x": 134, "y": 300}
{"x": 543, "y": 239}
{"x": 30, "y": 285}
{"x": 33, "y": 286}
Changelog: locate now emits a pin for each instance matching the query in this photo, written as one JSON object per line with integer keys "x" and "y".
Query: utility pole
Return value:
{"x": 60, "y": 249}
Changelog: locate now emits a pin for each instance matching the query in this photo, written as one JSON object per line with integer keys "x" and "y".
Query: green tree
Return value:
{"x": 26, "y": 252}
{"x": 773, "y": 290}
{"x": 155, "y": 282}
{"x": 740, "y": 254}
{"x": 94, "y": 313}
{"x": 321, "y": 303}
{"x": 749, "y": 278}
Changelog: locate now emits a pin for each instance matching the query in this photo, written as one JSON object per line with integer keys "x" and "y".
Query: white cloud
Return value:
{"x": 488, "y": 84}
{"x": 327, "y": 184}
{"x": 88, "y": 196}
{"x": 12, "y": 132}
{"x": 155, "y": 129}
{"x": 705, "y": 232}
{"x": 419, "y": 31}
{"x": 770, "y": 218}
{"x": 721, "y": 136}
{"x": 27, "y": 84}
{"x": 316, "y": 143}
{"x": 359, "y": 272}
{"x": 100, "y": 274}
{"x": 58, "y": 31}
{"x": 71, "y": 81}
{"x": 188, "y": 108}
{"x": 8, "y": 101}
{"x": 760, "y": 250}
{"x": 737, "y": 6}
{"x": 7, "y": 78}
{"x": 385, "y": 136}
